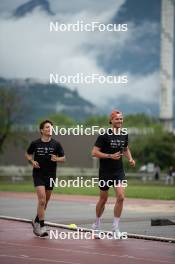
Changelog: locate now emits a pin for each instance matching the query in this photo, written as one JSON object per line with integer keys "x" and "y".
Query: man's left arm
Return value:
{"x": 127, "y": 154}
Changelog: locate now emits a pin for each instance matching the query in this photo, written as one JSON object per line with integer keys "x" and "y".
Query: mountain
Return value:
{"x": 43, "y": 99}
{"x": 132, "y": 106}
{"x": 138, "y": 12}
{"x": 29, "y": 7}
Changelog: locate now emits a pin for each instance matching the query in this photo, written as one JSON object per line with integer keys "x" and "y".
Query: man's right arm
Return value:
{"x": 30, "y": 159}
{"x": 29, "y": 155}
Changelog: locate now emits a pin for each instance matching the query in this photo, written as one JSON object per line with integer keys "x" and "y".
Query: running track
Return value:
{"x": 19, "y": 245}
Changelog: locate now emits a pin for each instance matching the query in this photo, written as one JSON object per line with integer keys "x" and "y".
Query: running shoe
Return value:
{"x": 116, "y": 232}
{"x": 36, "y": 228}
{"x": 96, "y": 231}
{"x": 43, "y": 231}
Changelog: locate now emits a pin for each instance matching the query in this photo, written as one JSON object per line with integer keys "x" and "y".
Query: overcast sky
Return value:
{"x": 28, "y": 49}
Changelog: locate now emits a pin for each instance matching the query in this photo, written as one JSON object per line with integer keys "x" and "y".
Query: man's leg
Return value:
{"x": 48, "y": 195}
{"x": 101, "y": 203}
{"x": 100, "y": 208}
{"x": 41, "y": 194}
{"x": 43, "y": 198}
{"x": 38, "y": 223}
{"x": 118, "y": 205}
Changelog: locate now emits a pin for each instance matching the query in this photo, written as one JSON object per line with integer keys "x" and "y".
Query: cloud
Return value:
{"x": 28, "y": 49}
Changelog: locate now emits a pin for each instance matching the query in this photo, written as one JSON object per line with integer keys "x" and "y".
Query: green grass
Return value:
{"x": 135, "y": 189}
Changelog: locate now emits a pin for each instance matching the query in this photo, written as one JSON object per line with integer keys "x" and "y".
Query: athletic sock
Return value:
{"x": 37, "y": 219}
{"x": 41, "y": 223}
{"x": 116, "y": 221}
{"x": 98, "y": 221}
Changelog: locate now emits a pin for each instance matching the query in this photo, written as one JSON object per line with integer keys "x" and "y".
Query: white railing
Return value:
{"x": 20, "y": 172}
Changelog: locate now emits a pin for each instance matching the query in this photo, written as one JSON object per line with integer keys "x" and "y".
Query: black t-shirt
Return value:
{"x": 111, "y": 144}
{"x": 42, "y": 154}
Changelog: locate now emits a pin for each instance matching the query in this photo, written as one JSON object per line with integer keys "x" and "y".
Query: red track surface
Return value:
{"x": 19, "y": 245}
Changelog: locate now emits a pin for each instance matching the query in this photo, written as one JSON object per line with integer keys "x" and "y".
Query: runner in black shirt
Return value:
{"x": 43, "y": 154}
{"x": 110, "y": 148}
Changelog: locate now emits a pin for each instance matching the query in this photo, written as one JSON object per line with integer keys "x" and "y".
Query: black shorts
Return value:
{"x": 40, "y": 180}
{"x": 107, "y": 180}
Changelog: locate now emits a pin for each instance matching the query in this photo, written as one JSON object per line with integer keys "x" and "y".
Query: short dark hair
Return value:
{"x": 42, "y": 124}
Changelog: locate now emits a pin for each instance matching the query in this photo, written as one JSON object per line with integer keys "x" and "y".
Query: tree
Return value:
{"x": 158, "y": 148}
{"x": 101, "y": 121}
{"x": 60, "y": 119}
{"x": 10, "y": 112}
